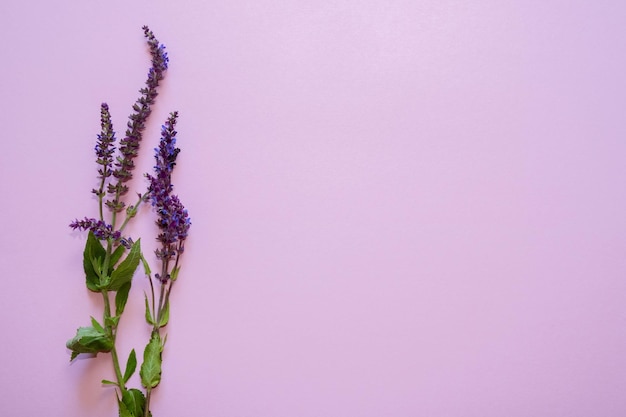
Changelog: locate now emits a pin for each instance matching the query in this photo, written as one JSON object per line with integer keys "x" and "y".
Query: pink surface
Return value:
{"x": 400, "y": 208}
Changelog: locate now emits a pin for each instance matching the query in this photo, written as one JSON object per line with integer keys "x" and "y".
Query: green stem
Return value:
{"x": 159, "y": 312}
{"x": 107, "y": 258}
{"x": 112, "y": 334}
{"x": 165, "y": 303}
{"x": 153, "y": 299}
{"x": 118, "y": 371}
{"x": 133, "y": 211}
{"x": 147, "y": 408}
{"x": 159, "y": 309}
{"x": 101, "y": 193}
{"x": 113, "y": 218}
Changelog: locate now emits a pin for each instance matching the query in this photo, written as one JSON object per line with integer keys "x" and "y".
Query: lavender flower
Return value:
{"x": 174, "y": 223}
{"x": 165, "y": 155}
{"x": 100, "y": 229}
{"x": 129, "y": 146}
{"x": 104, "y": 147}
{"x": 173, "y": 219}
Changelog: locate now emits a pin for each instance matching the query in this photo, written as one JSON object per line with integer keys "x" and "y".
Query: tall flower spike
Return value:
{"x": 165, "y": 155}
{"x": 104, "y": 148}
{"x": 173, "y": 219}
{"x": 129, "y": 146}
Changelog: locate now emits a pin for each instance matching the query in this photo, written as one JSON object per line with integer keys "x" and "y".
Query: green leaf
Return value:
{"x": 131, "y": 365}
{"x": 107, "y": 382}
{"x": 150, "y": 371}
{"x": 112, "y": 321}
{"x": 146, "y": 267}
{"x": 149, "y": 318}
{"x": 94, "y": 253}
{"x": 121, "y": 297}
{"x": 97, "y": 325}
{"x": 89, "y": 340}
{"x": 124, "y": 412}
{"x": 134, "y": 403}
{"x": 174, "y": 273}
{"x": 115, "y": 256}
{"x": 96, "y": 264}
{"x": 125, "y": 270}
{"x": 165, "y": 315}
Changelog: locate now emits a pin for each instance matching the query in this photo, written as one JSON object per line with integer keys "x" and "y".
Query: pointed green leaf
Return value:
{"x": 107, "y": 382}
{"x": 174, "y": 273}
{"x": 134, "y": 401}
{"x": 125, "y": 270}
{"x": 97, "y": 325}
{"x": 93, "y": 253}
{"x": 124, "y": 412}
{"x": 149, "y": 318}
{"x": 121, "y": 297}
{"x": 131, "y": 365}
{"x": 146, "y": 267}
{"x": 115, "y": 256}
{"x": 165, "y": 315}
{"x": 96, "y": 264}
{"x": 150, "y": 371}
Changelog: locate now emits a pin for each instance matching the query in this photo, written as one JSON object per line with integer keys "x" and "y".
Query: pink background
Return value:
{"x": 400, "y": 208}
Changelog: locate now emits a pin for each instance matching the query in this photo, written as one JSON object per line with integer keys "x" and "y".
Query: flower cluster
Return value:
{"x": 99, "y": 228}
{"x": 129, "y": 145}
{"x": 173, "y": 218}
{"x": 174, "y": 223}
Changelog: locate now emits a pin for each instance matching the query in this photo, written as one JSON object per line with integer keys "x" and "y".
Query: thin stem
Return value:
{"x": 100, "y": 198}
{"x": 114, "y": 214}
{"x": 178, "y": 252}
{"x": 169, "y": 289}
{"x": 159, "y": 312}
{"x": 118, "y": 371}
{"x": 107, "y": 258}
{"x": 153, "y": 299}
{"x": 165, "y": 303}
{"x": 107, "y": 307}
{"x": 147, "y": 408}
{"x": 112, "y": 334}
{"x": 134, "y": 211}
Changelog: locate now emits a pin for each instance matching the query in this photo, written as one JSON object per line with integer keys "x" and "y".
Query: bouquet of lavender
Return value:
{"x": 111, "y": 258}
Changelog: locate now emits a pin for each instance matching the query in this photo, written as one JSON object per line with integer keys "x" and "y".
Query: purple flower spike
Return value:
{"x": 104, "y": 148}
{"x": 157, "y": 50}
{"x": 129, "y": 146}
{"x": 165, "y": 155}
{"x": 100, "y": 229}
{"x": 173, "y": 219}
